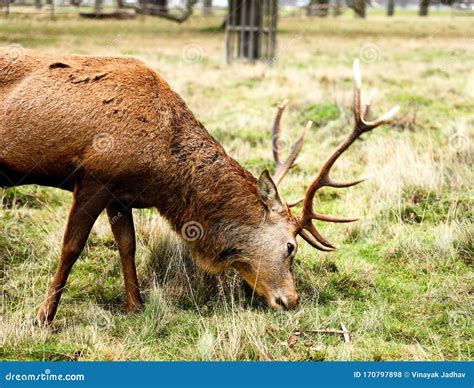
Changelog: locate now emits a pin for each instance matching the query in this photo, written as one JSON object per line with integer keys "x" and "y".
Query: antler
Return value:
{"x": 282, "y": 168}
{"x": 307, "y": 229}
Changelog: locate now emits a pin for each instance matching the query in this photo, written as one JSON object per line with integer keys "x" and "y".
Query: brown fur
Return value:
{"x": 55, "y": 112}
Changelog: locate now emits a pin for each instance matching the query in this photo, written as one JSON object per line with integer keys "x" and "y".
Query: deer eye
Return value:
{"x": 290, "y": 247}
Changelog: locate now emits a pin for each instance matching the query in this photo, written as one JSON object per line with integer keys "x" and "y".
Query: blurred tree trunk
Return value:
{"x": 424, "y": 4}
{"x": 50, "y": 7}
{"x": 311, "y": 10}
{"x": 38, "y": 4}
{"x": 162, "y": 5}
{"x": 159, "y": 5}
{"x": 6, "y": 4}
{"x": 99, "y": 6}
{"x": 359, "y": 8}
{"x": 337, "y": 8}
{"x": 207, "y": 8}
{"x": 390, "y": 7}
{"x": 318, "y": 8}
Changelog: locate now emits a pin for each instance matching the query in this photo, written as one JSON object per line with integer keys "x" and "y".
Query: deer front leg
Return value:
{"x": 121, "y": 222}
{"x": 88, "y": 203}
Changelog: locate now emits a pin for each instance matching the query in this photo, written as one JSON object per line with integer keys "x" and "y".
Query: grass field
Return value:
{"x": 401, "y": 280}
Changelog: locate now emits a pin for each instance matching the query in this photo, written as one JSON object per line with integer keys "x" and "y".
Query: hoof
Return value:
{"x": 43, "y": 319}
{"x": 41, "y": 322}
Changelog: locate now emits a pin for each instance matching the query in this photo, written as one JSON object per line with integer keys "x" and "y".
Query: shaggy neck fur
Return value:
{"x": 210, "y": 199}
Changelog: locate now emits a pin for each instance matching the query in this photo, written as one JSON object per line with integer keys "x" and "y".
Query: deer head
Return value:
{"x": 267, "y": 261}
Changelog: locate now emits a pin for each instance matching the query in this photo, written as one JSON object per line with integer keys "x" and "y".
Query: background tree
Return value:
{"x": 207, "y": 7}
{"x": 318, "y": 8}
{"x": 5, "y": 4}
{"x": 390, "y": 7}
{"x": 99, "y": 6}
{"x": 337, "y": 8}
{"x": 160, "y": 6}
{"x": 424, "y": 4}
{"x": 359, "y": 8}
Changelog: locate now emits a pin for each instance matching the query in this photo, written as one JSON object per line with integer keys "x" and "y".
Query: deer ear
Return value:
{"x": 268, "y": 192}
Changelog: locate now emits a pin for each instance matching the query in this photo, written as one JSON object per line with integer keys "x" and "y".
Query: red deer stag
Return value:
{"x": 111, "y": 131}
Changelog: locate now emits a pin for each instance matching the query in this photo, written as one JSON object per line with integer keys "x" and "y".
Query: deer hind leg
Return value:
{"x": 88, "y": 203}
{"x": 121, "y": 222}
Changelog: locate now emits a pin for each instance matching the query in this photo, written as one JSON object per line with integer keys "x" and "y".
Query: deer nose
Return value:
{"x": 287, "y": 303}
{"x": 281, "y": 301}
{"x": 294, "y": 302}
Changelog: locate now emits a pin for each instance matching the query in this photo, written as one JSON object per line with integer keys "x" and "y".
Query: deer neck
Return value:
{"x": 208, "y": 196}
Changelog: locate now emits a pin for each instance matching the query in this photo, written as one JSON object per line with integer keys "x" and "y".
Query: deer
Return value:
{"x": 113, "y": 132}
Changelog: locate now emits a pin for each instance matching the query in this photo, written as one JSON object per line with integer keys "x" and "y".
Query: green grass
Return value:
{"x": 401, "y": 280}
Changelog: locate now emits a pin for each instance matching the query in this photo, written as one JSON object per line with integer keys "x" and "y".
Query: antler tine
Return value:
{"x": 295, "y": 202}
{"x": 308, "y": 230}
{"x": 309, "y": 227}
{"x": 311, "y": 240}
{"x": 361, "y": 124}
{"x": 360, "y": 121}
{"x": 277, "y": 131}
{"x": 357, "y": 86}
{"x": 368, "y": 103}
{"x": 282, "y": 168}
{"x": 327, "y": 218}
{"x": 382, "y": 119}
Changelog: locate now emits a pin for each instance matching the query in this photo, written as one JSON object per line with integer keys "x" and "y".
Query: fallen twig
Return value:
{"x": 328, "y": 331}
{"x": 346, "y": 334}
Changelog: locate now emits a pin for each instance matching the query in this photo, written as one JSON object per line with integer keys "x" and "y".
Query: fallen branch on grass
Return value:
{"x": 297, "y": 333}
